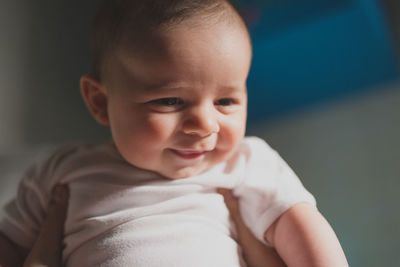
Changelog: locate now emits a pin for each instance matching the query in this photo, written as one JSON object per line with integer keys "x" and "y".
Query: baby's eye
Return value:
{"x": 228, "y": 105}
{"x": 168, "y": 101}
{"x": 226, "y": 102}
{"x": 166, "y": 104}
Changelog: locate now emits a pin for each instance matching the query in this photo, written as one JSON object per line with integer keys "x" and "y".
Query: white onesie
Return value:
{"x": 120, "y": 215}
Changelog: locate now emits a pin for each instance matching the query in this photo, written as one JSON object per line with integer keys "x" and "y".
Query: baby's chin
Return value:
{"x": 184, "y": 173}
{"x": 173, "y": 173}
{"x": 191, "y": 171}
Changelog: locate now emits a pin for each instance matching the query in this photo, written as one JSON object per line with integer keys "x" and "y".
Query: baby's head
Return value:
{"x": 170, "y": 81}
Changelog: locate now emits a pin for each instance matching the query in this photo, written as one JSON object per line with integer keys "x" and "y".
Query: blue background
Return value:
{"x": 308, "y": 51}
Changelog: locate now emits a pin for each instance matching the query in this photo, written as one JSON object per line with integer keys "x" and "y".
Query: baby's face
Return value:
{"x": 177, "y": 102}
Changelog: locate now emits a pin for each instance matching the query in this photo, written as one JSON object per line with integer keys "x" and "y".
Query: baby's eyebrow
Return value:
{"x": 232, "y": 89}
{"x": 163, "y": 86}
{"x": 177, "y": 86}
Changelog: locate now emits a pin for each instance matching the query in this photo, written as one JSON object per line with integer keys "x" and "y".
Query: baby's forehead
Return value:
{"x": 164, "y": 36}
{"x": 150, "y": 34}
{"x": 117, "y": 19}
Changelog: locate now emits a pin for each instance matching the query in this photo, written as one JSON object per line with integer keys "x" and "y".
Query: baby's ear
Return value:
{"x": 95, "y": 98}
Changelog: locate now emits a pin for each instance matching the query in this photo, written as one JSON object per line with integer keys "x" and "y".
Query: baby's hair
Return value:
{"x": 116, "y": 18}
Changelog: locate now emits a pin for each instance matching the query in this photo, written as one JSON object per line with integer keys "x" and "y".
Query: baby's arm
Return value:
{"x": 303, "y": 237}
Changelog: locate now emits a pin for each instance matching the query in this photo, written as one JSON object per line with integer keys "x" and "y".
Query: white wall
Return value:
{"x": 347, "y": 154}
{"x": 12, "y": 71}
{"x": 44, "y": 50}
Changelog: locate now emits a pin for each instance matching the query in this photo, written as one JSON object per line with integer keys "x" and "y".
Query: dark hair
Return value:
{"x": 115, "y": 18}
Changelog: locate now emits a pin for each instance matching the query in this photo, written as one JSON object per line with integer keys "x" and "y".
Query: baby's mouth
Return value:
{"x": 189, "y": 154}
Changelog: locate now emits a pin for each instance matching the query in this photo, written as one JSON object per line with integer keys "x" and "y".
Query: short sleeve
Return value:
{"x": 269, "y": 187}
{"x": 23, "y": 215}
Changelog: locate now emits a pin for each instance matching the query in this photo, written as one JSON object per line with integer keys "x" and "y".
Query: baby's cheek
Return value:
{"x": 232, "y": 131}
{"x": 160, "y": 127}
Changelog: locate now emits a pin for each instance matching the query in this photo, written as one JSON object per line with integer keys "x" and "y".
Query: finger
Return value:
{"x": 231, "y": 201}
{"x": 227, "y": 194}
{"x": 221, "y": 191}
{"x": 60, "y": 194}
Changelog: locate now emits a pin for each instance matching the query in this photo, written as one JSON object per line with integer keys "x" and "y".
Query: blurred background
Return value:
{"x": 324, "y": 91}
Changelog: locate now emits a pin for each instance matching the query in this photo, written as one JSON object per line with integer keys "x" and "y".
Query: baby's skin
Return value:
{"x": 47, "y": 249}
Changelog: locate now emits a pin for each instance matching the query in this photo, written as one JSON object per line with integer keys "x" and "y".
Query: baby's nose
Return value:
{"x": 201, "y": 121}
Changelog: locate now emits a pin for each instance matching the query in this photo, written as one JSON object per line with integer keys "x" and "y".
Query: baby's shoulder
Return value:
{"x": 254, "y": 141}
{"x": 79, "y": 151}
{"x": 69, "y": 157}
{"x": 254, "y": 147}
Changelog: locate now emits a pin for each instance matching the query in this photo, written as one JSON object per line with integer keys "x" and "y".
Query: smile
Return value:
{"x": 189, "y": 154}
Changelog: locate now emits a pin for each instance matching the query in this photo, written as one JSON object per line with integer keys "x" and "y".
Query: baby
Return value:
{"x": 47, "y": 249}
{"x": 169, "y": 80}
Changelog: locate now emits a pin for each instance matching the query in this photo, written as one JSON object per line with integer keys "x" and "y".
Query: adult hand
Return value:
{"x": 255, "y": 253}
{"x": 47, "y": 250}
